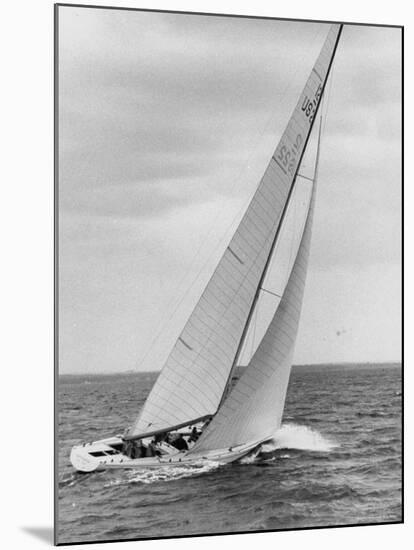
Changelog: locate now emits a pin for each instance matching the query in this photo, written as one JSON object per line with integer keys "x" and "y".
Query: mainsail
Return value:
{"x": 197, "y": 371}
{"x": 253, "y": 411}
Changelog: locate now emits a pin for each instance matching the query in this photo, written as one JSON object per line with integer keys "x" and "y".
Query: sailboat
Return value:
{"x": 194, "y": 400}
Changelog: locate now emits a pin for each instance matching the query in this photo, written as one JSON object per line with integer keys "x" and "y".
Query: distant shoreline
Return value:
{"x": 310, "y": 366}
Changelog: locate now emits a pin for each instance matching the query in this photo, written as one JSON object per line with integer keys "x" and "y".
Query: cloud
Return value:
{"x": 167, "y": 123}
{"x": 179, "y": 99}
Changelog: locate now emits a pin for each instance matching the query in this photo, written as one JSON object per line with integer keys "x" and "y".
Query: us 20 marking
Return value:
{"x": 285, "y": 158}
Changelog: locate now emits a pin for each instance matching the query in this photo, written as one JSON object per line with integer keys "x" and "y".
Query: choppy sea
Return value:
{"x": 335, "y": 461}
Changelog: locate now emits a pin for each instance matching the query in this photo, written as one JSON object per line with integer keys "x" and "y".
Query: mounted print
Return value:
{"x": 228, "y": 259}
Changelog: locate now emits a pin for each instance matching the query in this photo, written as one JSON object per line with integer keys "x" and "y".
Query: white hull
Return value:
{"x": 101, "y": 455}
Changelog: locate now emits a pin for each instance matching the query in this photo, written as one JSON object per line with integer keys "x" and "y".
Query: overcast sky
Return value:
{"x": 167, "y": 123}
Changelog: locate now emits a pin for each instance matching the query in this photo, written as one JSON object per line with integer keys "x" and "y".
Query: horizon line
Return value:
{"x": 300, "y": 365}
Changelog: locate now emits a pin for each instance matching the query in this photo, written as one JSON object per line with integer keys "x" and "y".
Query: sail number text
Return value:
{"x": 309, "y": 106}
{"x": 286, "y": 156}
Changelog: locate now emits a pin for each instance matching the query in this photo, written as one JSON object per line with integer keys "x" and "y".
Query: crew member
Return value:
{"x": 180, "y": 443}
{"x": 194, "y": 435}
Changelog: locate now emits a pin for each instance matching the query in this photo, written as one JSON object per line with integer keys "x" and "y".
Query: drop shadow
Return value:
{"x": 43, "y": 533}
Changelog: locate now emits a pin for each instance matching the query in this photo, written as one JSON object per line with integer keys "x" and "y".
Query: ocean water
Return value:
{"x": 335, "y": 461}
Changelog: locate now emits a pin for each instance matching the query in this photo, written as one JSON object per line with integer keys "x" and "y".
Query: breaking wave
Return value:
{"x": 68, "y": 479}
{"x": 293, "y": 436}
{"x": 249, "y": 459}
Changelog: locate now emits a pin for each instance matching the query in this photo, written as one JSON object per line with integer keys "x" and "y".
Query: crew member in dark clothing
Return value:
{"x": 139, "y": 449}
{"x": 180, "y": 443}
{"x": 159, "y": 438}
{"x": 133, "y": 450}
{"x": 149, "y": 451}
{"x": 127, "y": 448}
{"x": 152, "y": 449}
{"x": 194, "y": 435}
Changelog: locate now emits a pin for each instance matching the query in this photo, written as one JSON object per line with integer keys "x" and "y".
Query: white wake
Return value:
{"x": 293, "y": 436}
{"x": 164, "y": 473}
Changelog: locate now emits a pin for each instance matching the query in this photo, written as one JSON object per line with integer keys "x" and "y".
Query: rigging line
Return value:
{"x": 305, "y": 177}
{"x": 255, "y": 327}
{"x": 270, "y": 292}
{"x": 328, "y": 97}
{"x": 280, "y": 223}
{"x": 292, "y": 239}
{"x": 250, "y": 339}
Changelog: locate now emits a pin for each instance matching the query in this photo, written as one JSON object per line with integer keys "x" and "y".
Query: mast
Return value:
{"x": 275, "y": 239}
{"x": 197, "y": 372}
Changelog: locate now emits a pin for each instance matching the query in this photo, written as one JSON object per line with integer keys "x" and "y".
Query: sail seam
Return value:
{"x": 235, "y": 255}
{"x": 317, "y": 74}
{"x": 185, "y": 344}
